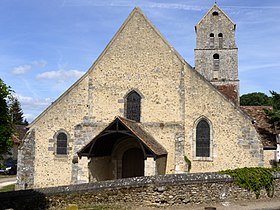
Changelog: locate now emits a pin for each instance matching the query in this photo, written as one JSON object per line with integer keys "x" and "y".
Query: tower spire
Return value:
{"x": 216, "y": 52}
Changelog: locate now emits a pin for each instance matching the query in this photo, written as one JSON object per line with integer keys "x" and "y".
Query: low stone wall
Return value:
{"x": 159, "y": 191}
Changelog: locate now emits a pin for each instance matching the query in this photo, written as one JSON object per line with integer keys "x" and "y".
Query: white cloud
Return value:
{"x": 21, "y": 69}
{"x": 61, "y": 75}
{"x": 40, "y": 63}
{"x": 28, "y": 100}
{"x": 29, "y": 117}
{"x": 177, "y": 6}
{"x": 147, "y": 4}
{"x": 33, "y": 106}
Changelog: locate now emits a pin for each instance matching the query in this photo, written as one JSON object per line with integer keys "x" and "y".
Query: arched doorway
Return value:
{"x": 132, "y": 163}
{"x": 125, "y": 149}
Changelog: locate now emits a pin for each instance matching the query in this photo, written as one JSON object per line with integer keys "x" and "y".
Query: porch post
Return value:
{"x": 83, "y": 173}
{"x": 150, "y": 167}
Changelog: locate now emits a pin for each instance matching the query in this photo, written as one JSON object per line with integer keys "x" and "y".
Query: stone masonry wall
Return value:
{"x": 215, "y": 24}
{"x": 155, "y": 191}
{"x": 235, "y": 142}
{"x": 64, "y": 114}
{"x": 223, "y": 69}
{"x": 228, "y": 64}
{"x": 25, "y": 164}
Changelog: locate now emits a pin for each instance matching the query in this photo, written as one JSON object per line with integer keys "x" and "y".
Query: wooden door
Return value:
{"x": 133, "y": 163}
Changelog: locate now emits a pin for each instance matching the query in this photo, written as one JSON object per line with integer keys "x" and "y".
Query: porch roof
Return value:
{"x": 118, "y": 128}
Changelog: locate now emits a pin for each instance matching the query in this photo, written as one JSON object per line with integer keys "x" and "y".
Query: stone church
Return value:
{"x": 142, "y": 110}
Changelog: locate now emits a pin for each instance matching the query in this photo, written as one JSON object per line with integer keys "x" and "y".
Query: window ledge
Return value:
{"x": 206, "y": 159}
{"x": 59, "y": 157}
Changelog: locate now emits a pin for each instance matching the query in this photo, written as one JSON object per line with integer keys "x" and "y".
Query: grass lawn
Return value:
{"x": 8, "y": 188}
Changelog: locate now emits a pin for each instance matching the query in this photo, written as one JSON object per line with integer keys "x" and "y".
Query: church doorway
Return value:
{"x": 133, "y": 163}
{"x": 126, "y": 150}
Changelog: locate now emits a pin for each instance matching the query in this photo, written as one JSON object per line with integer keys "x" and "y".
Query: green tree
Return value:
{"x": 25, "y": 122}
{"x": 15, "y": 111}
{"x": 5, "y": 120}
{"x": 274, "y": 114}
{"x": 255, "y": 99}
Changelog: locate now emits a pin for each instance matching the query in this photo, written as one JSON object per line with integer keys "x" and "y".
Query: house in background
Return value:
{"x": 18, "y": 135}
{"x": 9, "y": 161}
{"x": 269, "y": 133}
{"x": 141, "y": 109}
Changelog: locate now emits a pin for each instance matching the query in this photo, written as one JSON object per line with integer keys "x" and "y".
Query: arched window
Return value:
{"x": 216, "y": 56}
{"x": 220, "y": 35}
{"x": 61, "y": 144}
{"x": 211, "y": 35}
{"x": 133, "y": 106}
{"x": 215, "y": 13}
{"x": 203, "y": 139}
{"x": 216, "y": 65}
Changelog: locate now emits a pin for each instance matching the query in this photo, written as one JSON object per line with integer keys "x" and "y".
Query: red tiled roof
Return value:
{"x": 127, "y": 127}
{"x": 20, "y": 131}
{"x": 145, "y": 137}
{"x": 229, "y": 91}
{"x": 262, "y": 125}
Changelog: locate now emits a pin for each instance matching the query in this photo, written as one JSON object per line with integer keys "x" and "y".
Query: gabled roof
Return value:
{"x": 215, "y": 8}
{"x": 121, "y": 127}
{"x": 261, "y": 122}
{"x": 135, "y": 11}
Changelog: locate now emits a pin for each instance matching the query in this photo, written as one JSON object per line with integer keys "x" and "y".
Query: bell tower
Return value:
{"x": 216, "y": 55}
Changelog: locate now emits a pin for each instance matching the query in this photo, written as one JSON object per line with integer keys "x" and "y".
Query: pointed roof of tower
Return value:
{"x": 215, "y": 8}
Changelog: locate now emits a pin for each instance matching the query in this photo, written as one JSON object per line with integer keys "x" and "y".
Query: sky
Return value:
{"x": 45, "y": 46}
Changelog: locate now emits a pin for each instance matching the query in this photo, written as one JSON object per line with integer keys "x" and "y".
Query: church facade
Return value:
{"x": 142, "y": 110}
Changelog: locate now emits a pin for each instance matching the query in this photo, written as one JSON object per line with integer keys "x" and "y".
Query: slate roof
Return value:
{"x": 264, "y": 128}
{"x": 127, "y": 127}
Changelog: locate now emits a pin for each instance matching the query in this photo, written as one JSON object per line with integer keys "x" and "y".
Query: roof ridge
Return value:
{"x": 135, "y": 10}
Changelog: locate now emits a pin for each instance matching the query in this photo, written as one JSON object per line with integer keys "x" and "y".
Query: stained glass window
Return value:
{"x": 203, "y": 139}
{"x": 133, "y": 106}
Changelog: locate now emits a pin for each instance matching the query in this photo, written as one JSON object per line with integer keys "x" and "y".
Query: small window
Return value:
{"x": 61, "y": 144}
{"x": 203, "y": 139}
{"x": 220, "y": 35}
{"x": 212, "y": 35}
{"x": 215, "y": 13}
{"x": 133, "y": 106}
{"x": 216, "y": 62}
{"x": 216, "y": 56}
